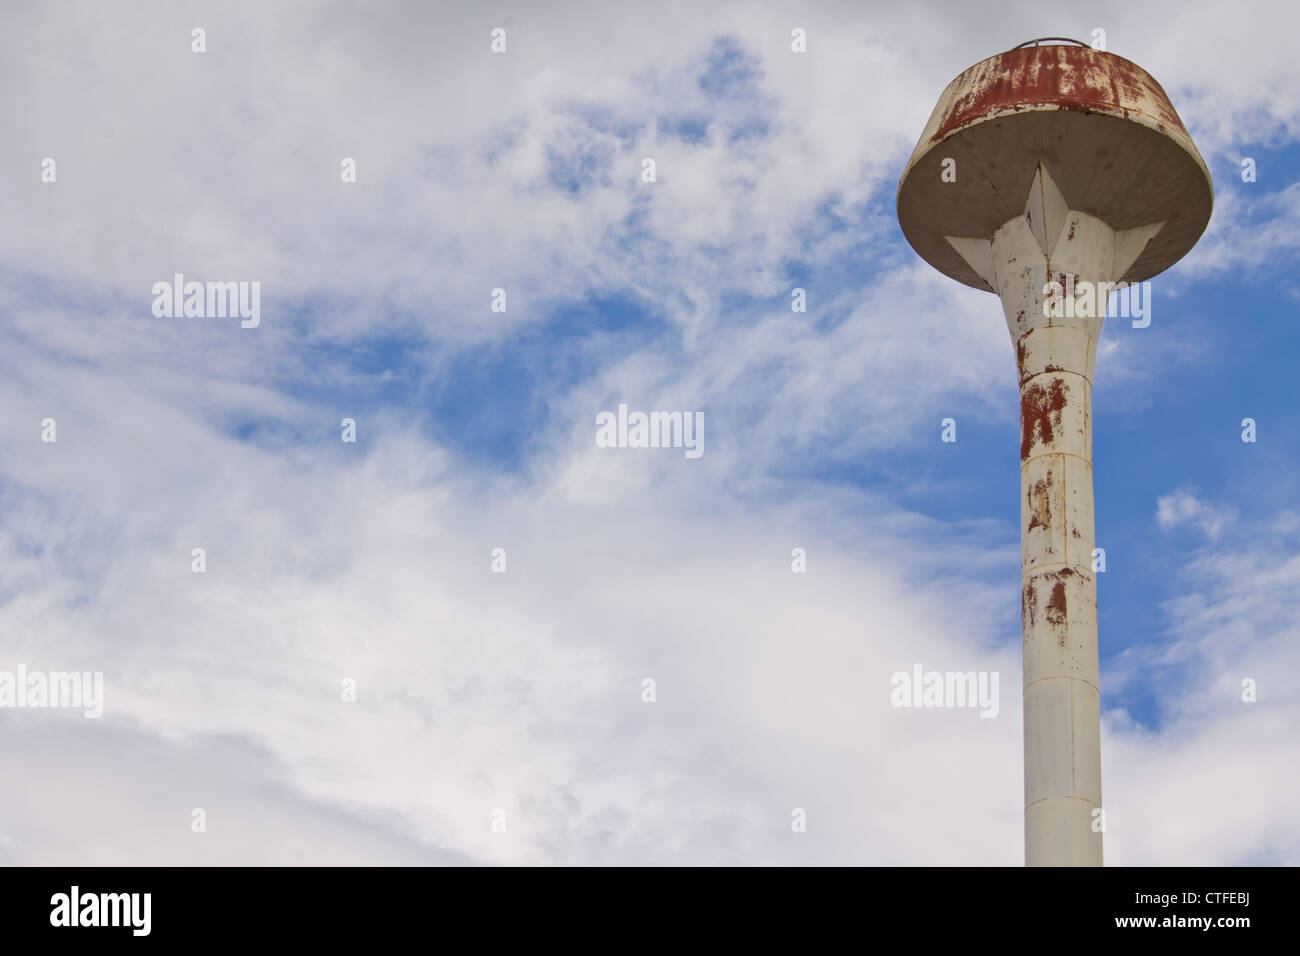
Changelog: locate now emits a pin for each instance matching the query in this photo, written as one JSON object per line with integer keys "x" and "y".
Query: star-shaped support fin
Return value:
{"x": 1046, "y": 210}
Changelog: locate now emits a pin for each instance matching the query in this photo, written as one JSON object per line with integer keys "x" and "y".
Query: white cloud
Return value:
{"x": 1183, "y": 507}
{"x": 1212, "y": 785}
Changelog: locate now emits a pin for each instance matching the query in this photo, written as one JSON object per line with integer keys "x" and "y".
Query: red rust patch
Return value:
{"x": 1040, "y": 414}
{"x": 1056, "y": 610}
{"x": 1029, "y": 607}
{"x": 1040, "y": 503}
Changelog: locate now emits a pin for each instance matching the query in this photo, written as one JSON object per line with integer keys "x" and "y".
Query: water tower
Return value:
{"x": 1046, "y": 175}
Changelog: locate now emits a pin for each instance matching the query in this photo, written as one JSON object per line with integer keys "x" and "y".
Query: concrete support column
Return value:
{"x": 1053, "y": 269}
{"x": 1055, "y": 356}
{"x": 1062, "y": 714}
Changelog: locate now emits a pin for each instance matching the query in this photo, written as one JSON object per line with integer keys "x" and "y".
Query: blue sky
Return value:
{"x": 480, "y": 690}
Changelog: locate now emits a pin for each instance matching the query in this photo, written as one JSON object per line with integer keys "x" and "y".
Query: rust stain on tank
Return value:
{"x": 1062, "y": 77}
{"x": 1040, "y": 414}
